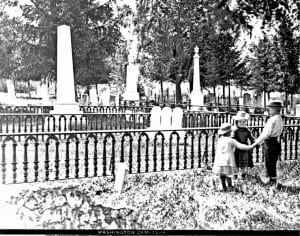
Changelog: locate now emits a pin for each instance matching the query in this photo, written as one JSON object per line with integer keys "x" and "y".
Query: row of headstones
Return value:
{"x": 165, "y": 118}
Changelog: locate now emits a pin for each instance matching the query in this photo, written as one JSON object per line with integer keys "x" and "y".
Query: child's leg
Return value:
{"x": 243, "y": 171}
{"x": 223, "y": 181}
{"x": 229, "y": 181}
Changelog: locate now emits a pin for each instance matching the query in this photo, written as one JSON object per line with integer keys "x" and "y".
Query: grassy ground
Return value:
{"x": 167, "y": 200}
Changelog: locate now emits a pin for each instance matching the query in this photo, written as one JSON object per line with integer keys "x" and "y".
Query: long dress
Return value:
{"x": 224, "y": 163}
{"x": 243, "y": 158}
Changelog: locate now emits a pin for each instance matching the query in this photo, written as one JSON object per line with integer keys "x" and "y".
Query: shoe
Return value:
{"x": 265, "y": 180}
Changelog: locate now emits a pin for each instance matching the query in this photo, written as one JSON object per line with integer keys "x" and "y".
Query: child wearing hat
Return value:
{"x": 269, "y": 137}
{"x": 224, "y": 164}
{"x": 242, "y": 134}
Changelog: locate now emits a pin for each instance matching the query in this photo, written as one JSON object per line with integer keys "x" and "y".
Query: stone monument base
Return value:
{"x": 197, "y": 100}
{"x": 66, "y": 108}
{"x": 131, "y": 96}
{"x": 297, "y": 108}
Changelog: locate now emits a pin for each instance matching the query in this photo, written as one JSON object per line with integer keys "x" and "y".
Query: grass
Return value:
{"x": 183, "y": 199}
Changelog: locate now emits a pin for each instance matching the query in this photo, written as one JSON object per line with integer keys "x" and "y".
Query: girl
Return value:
{"x": 224, "y": 164}
{"x": 243, "y": 159}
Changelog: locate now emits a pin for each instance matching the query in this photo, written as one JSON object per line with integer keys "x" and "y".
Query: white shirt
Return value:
{"x": 273, "y": 128}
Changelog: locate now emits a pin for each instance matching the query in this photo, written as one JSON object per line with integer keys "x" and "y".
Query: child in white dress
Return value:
{"x": 224, "y": 164}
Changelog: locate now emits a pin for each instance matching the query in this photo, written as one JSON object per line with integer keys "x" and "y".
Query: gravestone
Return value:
{"x": 121, "y": 173}
{"x": 155, "y": 119}
{"x": 177, "y": 118}
{"x": 11, "y": 92}
{"x": 166, "y": 121}
{"x": 65, "y": 89}
{"x": 45, "y": 95}
{"x": 93, "y": 96}
{"x": 177, "y": 121}
{"x": 106, "y": 96}
{"x": 297, "y": 107}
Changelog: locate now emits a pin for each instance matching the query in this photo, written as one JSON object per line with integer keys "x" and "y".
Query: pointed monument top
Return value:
{"x": 196, "y": 50}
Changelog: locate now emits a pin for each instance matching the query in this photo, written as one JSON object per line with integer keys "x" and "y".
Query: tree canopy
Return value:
{"x": 95, "y": 33}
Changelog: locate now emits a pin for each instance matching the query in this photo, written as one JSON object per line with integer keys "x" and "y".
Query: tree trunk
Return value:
{"x": 214, "y": 89}
{"x": 161, "y": 89}
{"x": 286, "y": 102}
{"x": 229, "y": 102}
{"x": 223, "y": 100}
{"x": 292, "y": 102}
{"x": 178, "y": 89}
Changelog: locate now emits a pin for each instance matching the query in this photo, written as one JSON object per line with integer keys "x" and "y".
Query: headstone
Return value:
{"x": 177, "y": 121}
{"x": 121, "y": 172}
{"x": 11, "y": 92}
{"x": 106, "y": 97}
{"x": 166, "y": 120}
{"x": 45, "y": 95}
{"x": 65, "y": 89}
{"x": 177, "y": 118}
{"x": 155, "y": 117}
{"x": 197, "y": 97}
{"x": 297, "y": 107}
{"x": 93, "y": 96}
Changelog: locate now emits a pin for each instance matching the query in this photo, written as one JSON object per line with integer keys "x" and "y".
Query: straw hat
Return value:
{"x": 224, "y": 128}
{"x": 275, "y": 104}
{"x": 241, "y": 115}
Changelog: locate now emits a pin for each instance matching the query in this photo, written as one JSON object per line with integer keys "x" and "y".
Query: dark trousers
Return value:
{"x": 272, "y": 151}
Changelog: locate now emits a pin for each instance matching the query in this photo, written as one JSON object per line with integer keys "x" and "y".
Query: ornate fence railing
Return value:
{"x": 25, "y": 109}
{"x": 44, "y": 156}
{"x": 25, "y": 123}
{"x": 133, "y": 108}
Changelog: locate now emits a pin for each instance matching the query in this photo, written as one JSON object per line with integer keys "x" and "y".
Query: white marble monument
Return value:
{"x": 11, "y": 92}
{"x": 197, "y": 97}
{"x": 132, "y": 72}
{"x": 93, "y": 96}
{"x": 65, "y": 89}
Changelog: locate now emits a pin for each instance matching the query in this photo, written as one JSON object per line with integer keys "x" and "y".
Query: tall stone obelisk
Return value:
{"x": 132, "y": 72}
{"x": 197, "y": 97}
{"x": 65, "y": 88}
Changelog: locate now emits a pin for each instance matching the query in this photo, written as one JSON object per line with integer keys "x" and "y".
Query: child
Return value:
{"x": 224, "y": 164}
{"x": 269, "y": 136}
{"x": 243, "y": 159}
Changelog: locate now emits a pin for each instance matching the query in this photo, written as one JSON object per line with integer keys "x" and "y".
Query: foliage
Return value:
{"x": 171, "y": 29}
{"x": 95, "y": 37}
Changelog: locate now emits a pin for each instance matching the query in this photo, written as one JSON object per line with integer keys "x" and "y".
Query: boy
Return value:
{"x": 269, "y": 136}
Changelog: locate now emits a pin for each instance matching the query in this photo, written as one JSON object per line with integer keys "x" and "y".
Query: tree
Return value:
{"x": 95, "y": 37}
{"x": 171, "y": 29}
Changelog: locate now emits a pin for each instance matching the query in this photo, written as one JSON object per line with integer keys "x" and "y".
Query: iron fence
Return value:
{"x": 25, "y": 109}
{"x": 25, "y": 123}
{"x": 45, "y": 156}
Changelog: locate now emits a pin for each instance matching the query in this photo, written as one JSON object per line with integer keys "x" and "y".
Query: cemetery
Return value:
{"x": 126, "y": 140}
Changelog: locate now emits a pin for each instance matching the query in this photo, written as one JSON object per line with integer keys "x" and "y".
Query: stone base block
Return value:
{"x": 66, "y": 108}
{"x": 131, "y": 96}
{"x": 197, "y": 99}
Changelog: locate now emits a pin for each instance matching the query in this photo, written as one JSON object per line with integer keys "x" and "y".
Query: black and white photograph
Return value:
{"x": 150, "y": 117}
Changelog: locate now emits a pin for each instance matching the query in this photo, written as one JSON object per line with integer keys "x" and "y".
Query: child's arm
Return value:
{"x": 241, "y": 146}
{"x": 234, "y": 132}
{"x": 250, "y": 137}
